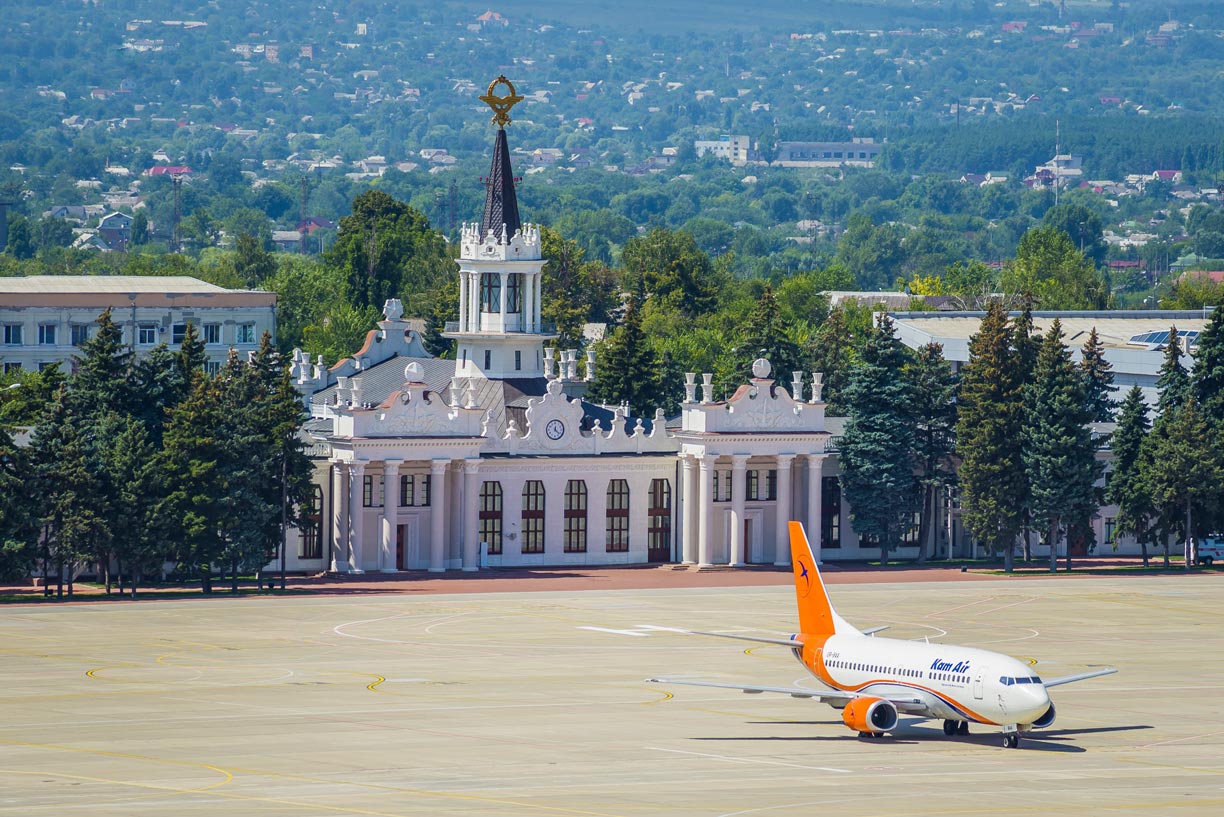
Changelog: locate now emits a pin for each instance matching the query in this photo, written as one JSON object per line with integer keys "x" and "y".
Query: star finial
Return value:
{"x": 501, "y": 105}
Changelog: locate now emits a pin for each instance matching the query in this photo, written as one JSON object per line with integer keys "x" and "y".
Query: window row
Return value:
{"x": 575, "y": 531}
{"x": 762, "y": 485}
{"x": 413, "y": 491}
{"x": 490, "y": 292}
{"x": 147, "y": 334}
{"x": 48, "y": 334}
{"x": 488, "y": 359}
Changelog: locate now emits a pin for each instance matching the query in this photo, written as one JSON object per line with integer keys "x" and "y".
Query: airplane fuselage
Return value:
{"x": 955, "y": 683}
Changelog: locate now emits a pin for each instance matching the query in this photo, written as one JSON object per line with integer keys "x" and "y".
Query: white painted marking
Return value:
{"x": 637, "y": 633}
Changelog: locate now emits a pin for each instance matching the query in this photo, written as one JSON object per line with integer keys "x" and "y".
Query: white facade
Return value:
{"x": 45, "y": 318}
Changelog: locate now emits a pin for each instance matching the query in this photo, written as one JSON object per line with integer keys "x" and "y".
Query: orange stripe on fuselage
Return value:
{"x": 813, "y": 659}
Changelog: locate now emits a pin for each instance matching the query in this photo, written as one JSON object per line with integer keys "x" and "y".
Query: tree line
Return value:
{"x": 1013, "y": 435}
{"x": 139, "y": 462}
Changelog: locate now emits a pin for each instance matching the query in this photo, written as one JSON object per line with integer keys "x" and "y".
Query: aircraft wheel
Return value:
{"x": 950, "y": 728}
{"x": 864, "y": 734}
{"x": 1011, "y": 741}
{"x": 962, "y": 728}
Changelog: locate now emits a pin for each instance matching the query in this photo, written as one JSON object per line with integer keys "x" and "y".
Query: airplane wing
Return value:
{"x": 831, "y": 697}
{"x": 782, "y": 642}
{"x": 1068, "y": 679}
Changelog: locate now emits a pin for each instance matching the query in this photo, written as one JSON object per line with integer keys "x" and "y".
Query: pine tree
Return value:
{"x": 626, "y": 367}
{"x": 189, "y": 358}
{"x": 131, "y": 466}
{"x": 875, "y": 450}
{"x": 102, "y": 379}
{"x": 1059, "y": 454}
{"x": 1126, "y": 487}
{"x": 831, "y": 352}
{"x": 158, "y": 379}
{"x": 932, "y": 413}
{"x": 1181, "y": 469}
{"x": 767, "y": 335}
{"x": 1207, "y": 385}
{"x": 988, "y": 429}
{"x": 1026, "y": 342}
{"x": 17, "y": 528}
{"x": 1098, "y": 380}
{"x": 1173, "y": 383}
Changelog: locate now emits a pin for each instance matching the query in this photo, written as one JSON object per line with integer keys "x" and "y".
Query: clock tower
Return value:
{"x": 499, "y": 333}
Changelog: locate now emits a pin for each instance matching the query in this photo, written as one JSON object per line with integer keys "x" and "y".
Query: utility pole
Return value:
{"x": 177, "y": 179}
{"x": 303, "y": 227}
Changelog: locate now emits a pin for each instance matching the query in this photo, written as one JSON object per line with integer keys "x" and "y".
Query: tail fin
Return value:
{"x": 816, "y": 614}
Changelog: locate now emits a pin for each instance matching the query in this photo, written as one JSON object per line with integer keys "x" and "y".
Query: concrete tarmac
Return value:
{"x": 534, "y": 704}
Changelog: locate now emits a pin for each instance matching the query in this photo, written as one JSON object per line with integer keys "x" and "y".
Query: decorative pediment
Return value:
{"x": 554, "y": 422}
{"x": 415, "y": 411}
{"x": 760, "y": 405}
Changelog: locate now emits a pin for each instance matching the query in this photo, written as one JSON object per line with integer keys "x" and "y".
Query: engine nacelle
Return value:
{"x": 1046, "y": 719}
{"x": 870, "y": 715}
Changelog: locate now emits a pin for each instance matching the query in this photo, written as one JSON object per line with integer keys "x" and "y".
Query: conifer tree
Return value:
{"x": 1126, "y": 487}
{"x": 1173, "y": 383}
{"x": 189, "y": 358}
{"x": 131, "y": 465}
{"x": 991, "y": 412}
{"x": 932, "y": 414}
{"x": 626, "y": 368}
{"x": 17, "y": 526}
{"x": 766, "y": 335}
{"x": 158, "y": 379}
{"x": 1182, "y": 470}
{"x": 1059, "y": 454}
{"x": 1098, "y": 380}
{"x": 102, "y": 379}
{"x": 1207, "y": 374}
{"x": 1026, "y": 341}
{"x": 875, "y": 450}
{"x": 831, "y": 352}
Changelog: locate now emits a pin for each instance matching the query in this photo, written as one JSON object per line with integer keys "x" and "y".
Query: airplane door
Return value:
{"x": 977, "y": 684}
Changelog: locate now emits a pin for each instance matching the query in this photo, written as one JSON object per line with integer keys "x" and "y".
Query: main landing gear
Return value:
{"x": 1011, "y": 740}
{"x": 956, "y": 728}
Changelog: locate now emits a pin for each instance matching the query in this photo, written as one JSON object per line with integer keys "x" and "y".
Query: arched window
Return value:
{"x": 616, "y": 526}
{"x": 490, "y": 292}
{"x": 533, "y": 516}
{"x": 575, "y": 516}
{"x": 311, "y": 546}
{"x": 491, "y": 517}
{"x": 658, "y": 529}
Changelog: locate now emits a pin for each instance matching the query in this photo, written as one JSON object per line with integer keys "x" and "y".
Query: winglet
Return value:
{"x": 816, "y": 614}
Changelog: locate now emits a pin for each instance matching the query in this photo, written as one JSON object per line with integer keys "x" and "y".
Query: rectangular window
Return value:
{"x": 80, "y": 333}
{"x": 533, "y": 516}
{"x": 771, "y": 486}
{"x": 212, "y": 367}
{"x": 722, "y": 486}
{"x": 178, "y": 332}
{"x": 13, "y": 335}
{"x": 245, "y": 333}
{"x": 46, "y": 334}
{"x": 512, "y": 294}
{"x": 488, "y": 359}
{"x": 212, "y": 333}
{"x": 491, "y": 517}
{"x": 311, "y": 546}
{"x": 372, "y": 491}
{"x": 414, "y": 490}
{"x": 659, "y": 523}
{"x": 518, "y": 360}
{"x": 754, "y": 481}
{"x": 146, "y": 334}
{"x": 12, "y": 367}
{"x": 830, "y": 513}
{"x": 1111, "y": 530}
{"x": 490, "y": 292}
{"x": 575, "y": 516}
{"x": 616, "y": 522}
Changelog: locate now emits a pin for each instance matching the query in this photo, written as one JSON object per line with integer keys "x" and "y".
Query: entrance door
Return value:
{"x": 754, "y": 542}
{"x": 399, "y": 547}
{"x": 408, "y": 555}
{"x": 977, "y": 685}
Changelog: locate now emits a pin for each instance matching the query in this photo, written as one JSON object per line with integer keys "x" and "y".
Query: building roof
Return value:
{"x": 501, "y": 203}
{"x": 45, "y": 284}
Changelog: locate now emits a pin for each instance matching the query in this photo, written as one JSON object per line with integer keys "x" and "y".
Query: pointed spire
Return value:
{"x": 501, "y": 204}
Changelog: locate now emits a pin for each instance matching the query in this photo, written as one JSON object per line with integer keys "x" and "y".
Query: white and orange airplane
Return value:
{"x": 873, "y": 680}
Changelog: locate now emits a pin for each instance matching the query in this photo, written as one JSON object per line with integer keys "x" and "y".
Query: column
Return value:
{"x": 782, "y": 540}
{"x": 340, "y": 509}
{"x": 474, "y": 303}
{"x": 437, "y": 516}
{"x": 471, "y": 518}
{"x": 464, "y": 283}
{"x": 815, "y": 524}
{"x": 390, "y": 520}
{"x": 454, "y": 516}
{"x": 704, "y": 504}
{"x": 356, "y": 481}
{"x": 739, "y": 467}
{"x": 688, "y": 509}
{"x": 501, "y": 306}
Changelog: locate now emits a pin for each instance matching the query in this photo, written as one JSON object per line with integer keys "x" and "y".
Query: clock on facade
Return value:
{"x": 555, "y": 429}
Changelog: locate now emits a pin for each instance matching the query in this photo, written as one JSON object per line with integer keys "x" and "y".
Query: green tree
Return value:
{"x": 140, "y": 229}
{"x": 131, "y": 468}
{"x": 1207, "y": 374}
{"x": 26, "y": 394}
{"x": 17, "y": 526}
{"x": 1058, "y": 450}
{"x": 1098, "y": 380}
{"x": 575, "y": 291}
{"x": 1182, "y": 470}
{"x": 1048, "y": 266}
{"x": 1173, "y": 382}
{"x": 102, "y": 379}
{"x": 1126, "y": 487}
{"x": 932, "y": 413}
{"x": 875, "y": 450}
{"x": 340, "y": 332}
{"x": 831, "y": 351}
{"x": 252, "y": 262}
{"x": 305, "y": 288}
{"x": 626, "y": 367}
{"x": 991, "y": 414}
{"x": 766, "y": 335}
{"x": 1082, "y": 226}
{"x": 667, "y": 267}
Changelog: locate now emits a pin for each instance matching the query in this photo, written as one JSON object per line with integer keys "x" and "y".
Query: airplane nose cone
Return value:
{"x": 1031, "y": 703}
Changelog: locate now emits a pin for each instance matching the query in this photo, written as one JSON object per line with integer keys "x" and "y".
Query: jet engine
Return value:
{"x": 871, "y": 715}
{"x": 1046, "y": 719}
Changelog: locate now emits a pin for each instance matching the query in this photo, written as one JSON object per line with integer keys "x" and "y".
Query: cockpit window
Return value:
{"x": 1005, "y": 681}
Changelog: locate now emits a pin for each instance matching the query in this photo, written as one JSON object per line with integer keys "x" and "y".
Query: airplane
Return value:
{"x": 874, "y": 680}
